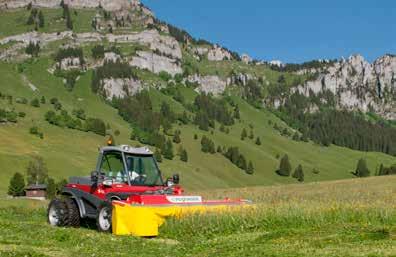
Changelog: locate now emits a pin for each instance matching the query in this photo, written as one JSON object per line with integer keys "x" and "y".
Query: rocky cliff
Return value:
{"x": 358, "y": 84}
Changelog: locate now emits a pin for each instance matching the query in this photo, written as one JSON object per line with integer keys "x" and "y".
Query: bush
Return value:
{"x": 96, "y": 125}
{"x": 17, "y": 185}
{"x": 35, "y": 103}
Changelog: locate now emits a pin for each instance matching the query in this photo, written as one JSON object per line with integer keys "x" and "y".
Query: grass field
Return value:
{"x": 340, "y": 218}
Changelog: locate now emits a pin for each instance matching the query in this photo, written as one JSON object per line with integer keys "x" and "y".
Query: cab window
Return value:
{"x": 112, "y": 166}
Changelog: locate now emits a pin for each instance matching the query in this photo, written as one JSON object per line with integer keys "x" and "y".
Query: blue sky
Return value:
{"x": 288, "y": 30}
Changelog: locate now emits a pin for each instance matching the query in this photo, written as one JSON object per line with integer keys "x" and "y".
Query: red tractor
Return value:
{"x": 124, "y": 176}
{"x": 122, "y": 173}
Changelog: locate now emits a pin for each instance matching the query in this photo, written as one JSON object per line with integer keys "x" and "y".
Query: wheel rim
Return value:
{"x": 105, "y": 219}
{"x": 53, "y": 216}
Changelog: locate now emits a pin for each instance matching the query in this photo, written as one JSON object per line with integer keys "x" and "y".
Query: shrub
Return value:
{"x": 35, "y": 103}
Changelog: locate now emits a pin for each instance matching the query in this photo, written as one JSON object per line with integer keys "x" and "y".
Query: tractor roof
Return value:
{"x": 128, "y": 149}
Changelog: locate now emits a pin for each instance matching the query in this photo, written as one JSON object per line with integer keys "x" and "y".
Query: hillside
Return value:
{"x": 341, "y": 218}
{"x": 94, "y": 58}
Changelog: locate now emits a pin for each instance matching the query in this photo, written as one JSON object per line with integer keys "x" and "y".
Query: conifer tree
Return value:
{"x": 258, "y": 141}
{"x": 299, "y": 174}
{"x": 251, "y": 135}
{"x": 168, "y": 153}
{"x": 51, "y": 188}
{"x": 176, "y": 137}
{"x": 184, "y": 156}
{"x": 41, "y": 19}
{"x": 361, "y": 169}
{"x": 243, "y": 134}
{"x": 17, "y": 185}
{"x": 158, "y": 155}
{"x": 284, "y": 166}
{"x": 250, "y": 168}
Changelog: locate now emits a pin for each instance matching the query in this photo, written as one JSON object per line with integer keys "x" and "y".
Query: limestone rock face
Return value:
{"x": 164, "y": 44}
{"x": 119, "y": 88}
{"x": 218, "y": 54}
{"x": 156, "y": 63}
{"x": 69, "y": 63}
{"x": 208, "y": 84}
{"x": 358, "y": 85}
{"x": 108, "y": 5}
{"x": 239, "y": 79}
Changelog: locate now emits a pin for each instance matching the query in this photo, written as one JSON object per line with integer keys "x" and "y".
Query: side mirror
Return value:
{"x": 94, "y": 176}
{"x": 176, "y": 179}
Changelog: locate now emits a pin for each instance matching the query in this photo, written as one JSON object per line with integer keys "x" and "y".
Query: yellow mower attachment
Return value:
{"x": 145, "y": 220}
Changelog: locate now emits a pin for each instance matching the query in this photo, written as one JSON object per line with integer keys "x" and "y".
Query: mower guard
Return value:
{"x": 144, "y": 220}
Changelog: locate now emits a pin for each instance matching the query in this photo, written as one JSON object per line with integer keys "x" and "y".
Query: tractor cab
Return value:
{"x": 127, "y": 165}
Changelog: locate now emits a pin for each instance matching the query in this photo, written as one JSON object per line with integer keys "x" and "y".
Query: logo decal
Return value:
{"x": 184, "y": 199}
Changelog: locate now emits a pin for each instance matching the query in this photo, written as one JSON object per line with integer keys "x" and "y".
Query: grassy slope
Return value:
{"x": 340, "y": 218}
{"x": 70, "y": 152}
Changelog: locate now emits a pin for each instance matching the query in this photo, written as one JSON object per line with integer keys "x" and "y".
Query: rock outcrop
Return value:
{"x": 218, "y": 53}
{"x": 246, "y": 58}
{"x": 121, "y": 87}
{"x": 156, "y": 63}
{"x": 358, "y": 85}
{"x": 208, "y": 84}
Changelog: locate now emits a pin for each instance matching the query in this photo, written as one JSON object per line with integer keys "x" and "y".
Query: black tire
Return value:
{"x": 103, "y": 217}
{"x": 73, "y": 218}
{"x": 57, "y": 214}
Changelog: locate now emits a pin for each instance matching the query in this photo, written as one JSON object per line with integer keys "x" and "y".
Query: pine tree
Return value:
{"x": 237, "y": 115}
{"x": 51, "y": 188}
{"x": 17, "y": 185}
{"x": 361, "y": 169}
{"x": 250, "y": 169}
{"x": 251, "y": 135}
{"x": 299, "y": 174}
{"x": 258, "y": 141}
{"x": 195, "y": 136}
{"x": 184, "y": 156}
{"x": 219, "y": 150}
{"x": 41, "y": 19}
{"x": 381, "y": 170}
{"x": 176, "y": 137}
{"x": 168, "y": 153}
{"x": 243, "y": 134}
{"x": 43, "y": 100}
{"x": 284, "y": 166}
{"x": 242, "y": 162}
{"x": 158, "y": 155}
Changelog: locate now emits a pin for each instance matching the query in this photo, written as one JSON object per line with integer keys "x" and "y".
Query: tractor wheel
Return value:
{"x": 73, "y": 213}
{"x": 57, "y": 213}
{"x": 103, "y": 217}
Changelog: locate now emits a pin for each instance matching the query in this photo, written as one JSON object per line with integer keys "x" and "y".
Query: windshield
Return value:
{"x": 143, "y": 170}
